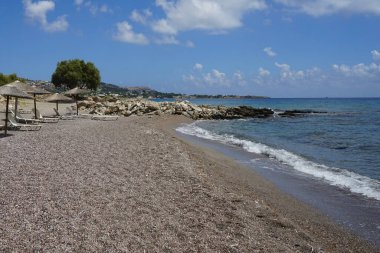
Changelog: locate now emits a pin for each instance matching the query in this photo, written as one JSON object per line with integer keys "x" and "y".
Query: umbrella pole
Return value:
{"x": 35, "y": 106}
{"x": 6, "y": 117}
{"x": 16, "y": 105}
{"x": 57, "y": 105}
{"x": 77, "y": 107}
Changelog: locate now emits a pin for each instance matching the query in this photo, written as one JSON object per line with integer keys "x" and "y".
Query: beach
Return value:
{"x": 134, "y": 185}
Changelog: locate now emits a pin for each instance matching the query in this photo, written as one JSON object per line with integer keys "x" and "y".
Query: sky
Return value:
{"x": 276, "y": 48}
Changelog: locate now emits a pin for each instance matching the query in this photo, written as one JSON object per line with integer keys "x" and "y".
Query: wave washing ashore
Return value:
{"x": 339, "y": 148}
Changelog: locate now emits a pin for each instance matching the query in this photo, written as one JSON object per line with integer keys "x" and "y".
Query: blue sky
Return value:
{"x": 278, "y": 48}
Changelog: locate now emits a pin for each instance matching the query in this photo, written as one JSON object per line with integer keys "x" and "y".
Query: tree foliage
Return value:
{"x": 5, "y": 79}
{"x": 76, "y": 73}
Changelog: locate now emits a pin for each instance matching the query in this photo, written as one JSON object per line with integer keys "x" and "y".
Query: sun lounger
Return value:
{"x": 44, "y": 119}
{"x": 22, "y": 120}
{"x": 70, "y": 111}
{"x": 85, "y": 116}
{"x": 23, "y": 111}
{"x": 64, "y": 117}
{"x": 104, "y": 117}
{"x": 24, "y": 127}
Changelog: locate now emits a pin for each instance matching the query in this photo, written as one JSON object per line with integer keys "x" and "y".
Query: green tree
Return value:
{"x": 4, "y": 79}
{"x": 76, "y": 73}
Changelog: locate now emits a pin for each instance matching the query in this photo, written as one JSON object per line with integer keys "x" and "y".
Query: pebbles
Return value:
{"x": 130, "y": 186}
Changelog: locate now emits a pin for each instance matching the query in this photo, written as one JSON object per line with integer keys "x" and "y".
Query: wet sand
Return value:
{"x": 134, "y": 185}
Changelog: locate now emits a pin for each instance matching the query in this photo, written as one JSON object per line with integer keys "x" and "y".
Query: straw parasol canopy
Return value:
{"x": 39, "y": 91}
{"x": 10, "y": 91}
{"x": 75, "y": 92}
{"x": 28, "y": 89}
{"x": 21, "y": 86}
{"x": 58, "y": 98}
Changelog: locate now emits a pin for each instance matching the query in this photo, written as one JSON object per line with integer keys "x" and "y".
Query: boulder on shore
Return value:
{"x": 130, "y": 107}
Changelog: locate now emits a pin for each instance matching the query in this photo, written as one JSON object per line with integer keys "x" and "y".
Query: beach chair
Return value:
{"x": 23, "y": 127}
{"x": 104, "y": 117}
{"x": 45, "y": 119}
{"x": 70, "y": 111}
{"x": 64, "y": 117}
{"x": 22, "y": 120}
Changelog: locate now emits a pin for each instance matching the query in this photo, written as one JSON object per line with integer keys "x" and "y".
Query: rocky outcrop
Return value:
{"x": 295, "y": 113}
{"x": 115, "y": 106}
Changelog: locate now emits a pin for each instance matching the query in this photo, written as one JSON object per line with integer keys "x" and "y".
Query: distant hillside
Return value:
{"x": 135, "y": 91}
{"x": 146, "y": 92}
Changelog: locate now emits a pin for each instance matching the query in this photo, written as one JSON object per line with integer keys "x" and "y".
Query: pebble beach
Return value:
{"x": 133, "y": 185}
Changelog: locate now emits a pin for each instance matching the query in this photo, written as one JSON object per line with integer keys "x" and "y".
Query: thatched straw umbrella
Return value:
{"x": 10, "y": 91}
{"x": 37, "y": 91}
{"x": 76, "y": 92}
{"x": 21, "y": 86}
{"x": 58, "y": 98}
{"x": 28, "y": 89}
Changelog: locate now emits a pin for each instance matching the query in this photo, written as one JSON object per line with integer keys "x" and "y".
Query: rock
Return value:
{"x": 112, "y": 99}
{"x": 248, "y": 112}
{"x": 127, "y": 113}
{"x": 140, "y": 107}
{"x": 294, "y": 113}
{"x": 97, "y": 99}
{"x": 153, "y": 107}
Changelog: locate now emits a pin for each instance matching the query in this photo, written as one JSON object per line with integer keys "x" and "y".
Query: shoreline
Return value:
{"x": 357, "y": 213}
{"x": 134, "y": 184}
{"x": 285, "y": 205}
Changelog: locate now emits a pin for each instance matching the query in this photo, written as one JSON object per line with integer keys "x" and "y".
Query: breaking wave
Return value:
{"x": 335, "y": 176}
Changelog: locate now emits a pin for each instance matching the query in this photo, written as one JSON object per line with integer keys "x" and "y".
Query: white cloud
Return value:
{"x": 287, "y": 74}
{"x": 371, "y": 70}
{"x": 92, "y": 7}
{"x": 210, "y": 15}
{"x": 105, "y": 9}
{"x": 125, "y": 33}
{"x": 269, "y": 51}
{"x": 141, "y": 17}
{"x": 339, "y": 80}
{"x": 38, "y": 12}
{"x": 189, "y": 78}
{"x": 216, "y": 77}
{"x": 283, "y": 67}
{"x": 238, "y": 77}
{"x": 78, "y": 2}
{"x": 189, "y": 44}
{"x": 198, "y": 66}
{"x": 325, "y": 7}
{"x": 263, "y": 72}
{"x": 167, "y": 40}
{"x": 375, "y": 55}
{"x": 162, "y": 26}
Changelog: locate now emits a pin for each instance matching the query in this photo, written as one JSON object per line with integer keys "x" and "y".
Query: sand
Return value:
{"x": 133, "y": 185}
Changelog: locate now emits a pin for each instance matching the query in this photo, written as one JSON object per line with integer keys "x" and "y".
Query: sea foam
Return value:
{"x": 341, "y": 178}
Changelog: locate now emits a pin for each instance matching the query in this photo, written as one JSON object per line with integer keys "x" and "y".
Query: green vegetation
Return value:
{"x": 5, "y": 79}
{"x": 76, "y": 73}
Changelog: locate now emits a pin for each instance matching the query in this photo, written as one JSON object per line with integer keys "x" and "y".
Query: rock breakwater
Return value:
{"x": 139, "y": 107}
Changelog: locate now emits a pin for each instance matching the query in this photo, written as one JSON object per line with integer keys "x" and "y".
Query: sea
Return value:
{"x": 329, "y": 160}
